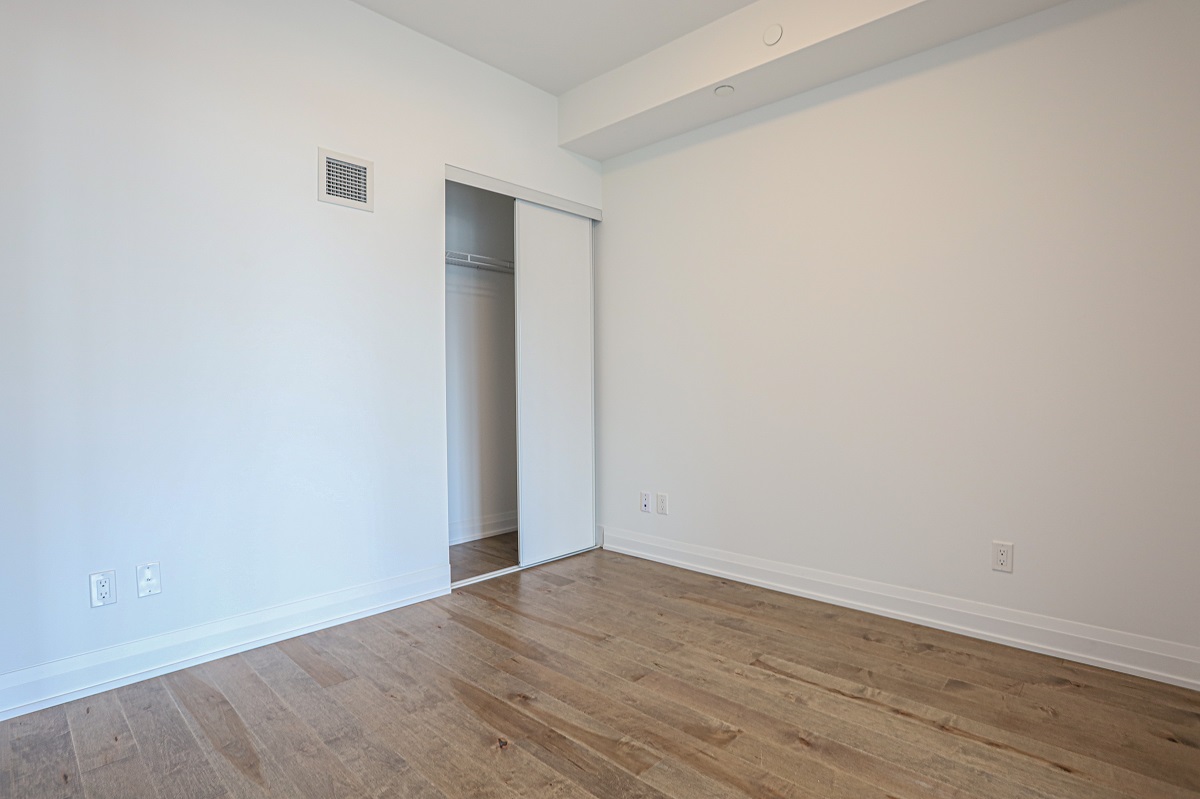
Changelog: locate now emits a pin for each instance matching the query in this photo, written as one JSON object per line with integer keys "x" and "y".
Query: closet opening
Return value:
{"x": 481, "y": 383}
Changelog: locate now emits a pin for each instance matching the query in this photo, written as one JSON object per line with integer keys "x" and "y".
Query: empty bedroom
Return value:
{"x": 673, "y": 399}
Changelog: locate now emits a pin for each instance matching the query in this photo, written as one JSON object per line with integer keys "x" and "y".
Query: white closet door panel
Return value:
{"x": 554, "y": 382}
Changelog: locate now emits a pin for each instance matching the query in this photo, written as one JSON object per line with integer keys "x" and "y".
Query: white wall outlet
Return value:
{"x": 104, "y": 588}
{"x": 148, "y": 582}
{"x": 662, "y": 504}
{"x": 645, "y": 502}
{"x": 1002, "y": 556}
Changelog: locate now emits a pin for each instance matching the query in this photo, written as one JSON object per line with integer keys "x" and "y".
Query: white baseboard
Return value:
{"x": 29, "y": 689}
{"x": 1165, "y": 661}
{"x": 484, "y": 527}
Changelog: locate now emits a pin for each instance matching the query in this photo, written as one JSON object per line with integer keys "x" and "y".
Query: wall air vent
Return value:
{"x": 345, "y": 180}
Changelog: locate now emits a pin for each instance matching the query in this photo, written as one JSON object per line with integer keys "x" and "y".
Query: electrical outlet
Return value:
{"x": 103, "y": 588}
{"x": 645, "y": 502}
{"x": 1002, "y": 556}
{"x": 662, "y": 504}
{"x": 148, "y": 579}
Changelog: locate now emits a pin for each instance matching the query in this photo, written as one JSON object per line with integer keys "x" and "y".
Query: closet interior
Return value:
{"x": 481, "y": 382}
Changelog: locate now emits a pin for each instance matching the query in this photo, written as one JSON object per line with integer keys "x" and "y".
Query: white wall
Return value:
{"x": 862, "y": 333}
{"x": 481, "y": 368}
{"x": 199, "y": 363}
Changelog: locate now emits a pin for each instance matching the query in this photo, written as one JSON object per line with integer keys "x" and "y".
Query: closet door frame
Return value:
{"x": 517, "y": 192}
{"x": 456, "y": 174}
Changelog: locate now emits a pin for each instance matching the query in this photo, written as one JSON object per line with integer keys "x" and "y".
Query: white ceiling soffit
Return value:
{"x": 554, "y": 44}
{"x": 671, "y": 90}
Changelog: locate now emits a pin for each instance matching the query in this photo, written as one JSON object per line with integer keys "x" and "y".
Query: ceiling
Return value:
{"x": 612, "y": 100}
{"x": 554, "y": 44}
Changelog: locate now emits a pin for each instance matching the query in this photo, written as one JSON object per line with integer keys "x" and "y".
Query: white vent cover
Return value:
{"x": 345, "y": 180}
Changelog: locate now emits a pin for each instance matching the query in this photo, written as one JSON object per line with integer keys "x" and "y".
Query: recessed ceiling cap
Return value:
{"x": 723, "y": 91}
{"x": 773, "y": 34}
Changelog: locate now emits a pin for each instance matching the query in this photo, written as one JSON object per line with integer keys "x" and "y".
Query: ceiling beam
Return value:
{"x": 671, "y": 90}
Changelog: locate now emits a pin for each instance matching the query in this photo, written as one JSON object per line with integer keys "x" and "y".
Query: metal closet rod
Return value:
{"x": 479, "y": 262}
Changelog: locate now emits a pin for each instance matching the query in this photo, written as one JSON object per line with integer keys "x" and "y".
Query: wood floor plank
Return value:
{"x": 324, "y": 671}
{"x": 43, "y": 758}
{"x": 374, "y": 708}
{"x": 851, "y": 766}
{"x": 454, "y": 667}
{"x": 99, "y": 731}
{"x": 1060, "y": 722}
{"x": 544, "y": 635}
{"x": 405, "y": 689}
{"x": 698, "y": 759}
{"x": 224, "y": 729}
{"x": 1050, "y": 689}
{"x": 417, "y": 738}
{"x": 240, "y": 761}
{"x": 1028, "y": 666}
{"x": 804, "y": 765}
{"x": 170, "y": 751}
{"x": 127, "y": 778}
{"x": 702, "y": 727}
{"x": 381, "y": 769}
{"x": 1146, "y": 690}
{"x": 673, "y": 606}
{"x": 491, "y": 752}
{"x": 857, "y": 760}
{"x": 607, "y": 762}
{"x": 617, "y": 689}
{"x": 1029, "y": 744}
{"x": 296, "y": 686}
{"x": 1121, "y": 746}
{"x": 6, "y": 758}
{"x": 593, "y": 772}
{"x": 996, "y": 748}
{"x": 1081, "y": 698}
{"x": 314, "y": 770}
{"x": 253, "y": 701}
{"x": 665, "y": 583}
{"x": 1008, "y": 737}
{"x": 898, "y": 770}
{"x": 504, "y": 545}
{"x": 473, "y": 558}
{"x": 1155, "y": 751}
{"x": 526, "y": 775}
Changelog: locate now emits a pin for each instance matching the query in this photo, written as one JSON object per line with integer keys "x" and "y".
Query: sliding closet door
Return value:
{"x": 554, "y": 382}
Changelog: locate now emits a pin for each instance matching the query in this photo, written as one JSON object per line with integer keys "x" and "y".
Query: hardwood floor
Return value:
{"x": 608, "y": 676}
{"x": 483, "y": 556}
